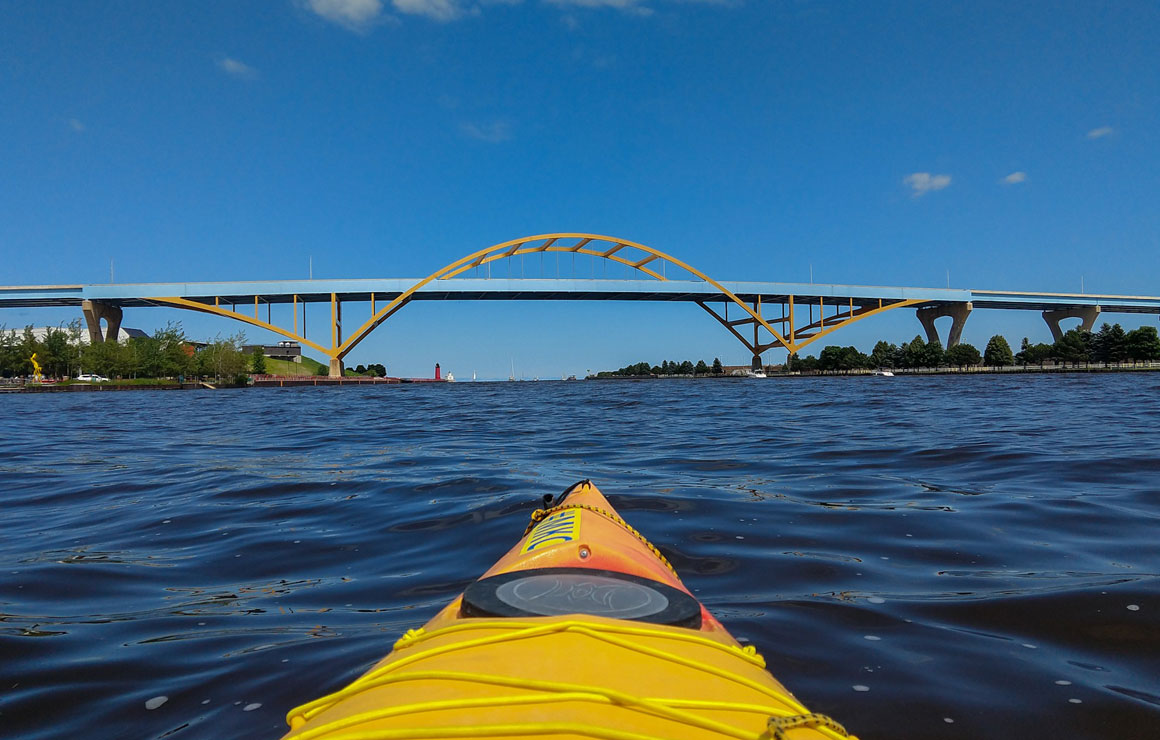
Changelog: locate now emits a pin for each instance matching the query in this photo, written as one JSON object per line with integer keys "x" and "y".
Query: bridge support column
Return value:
{"x": 1087, "y": 315}
{"x": 94, "y": 311}
{"x": 336, "y": 368}
{"x": 958, "y": 313}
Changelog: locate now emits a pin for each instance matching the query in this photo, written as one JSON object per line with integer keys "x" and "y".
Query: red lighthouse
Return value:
{"x": 437, "y": 371}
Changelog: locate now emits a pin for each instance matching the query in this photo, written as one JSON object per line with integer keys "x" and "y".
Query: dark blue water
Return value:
{"x": 927, "y": 557}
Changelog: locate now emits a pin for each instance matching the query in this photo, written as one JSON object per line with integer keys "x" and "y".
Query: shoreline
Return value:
{"x": 262, "y": 382}
{"x": 977, "y": 370}
{"x": 308, "y": 381}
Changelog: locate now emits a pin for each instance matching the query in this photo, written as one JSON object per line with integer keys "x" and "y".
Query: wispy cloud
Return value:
{"x": 1015, "y": 178}
{"x": 354, "y": 15}
{"x": 922, "y": 183}
{"x": 493, "y": 133}
{"x": 1101, "y": 132}
{"x": 362, "y": 15}
{"x": 237, "y": 69}
{"x": 76, "y": 125}
{"x": 636, "y": 7}
{"x": 437, "y": 10}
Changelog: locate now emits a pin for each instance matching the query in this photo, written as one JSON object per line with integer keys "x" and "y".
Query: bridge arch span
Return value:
{"x": 637, "y": 256}
{"x": 597, "y": 245}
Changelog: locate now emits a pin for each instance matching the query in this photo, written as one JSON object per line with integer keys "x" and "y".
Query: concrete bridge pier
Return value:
{"x": 336, "y": 367}
{"x": 94, "y": 311}
{"x": 958, "y": 313}
{"x": 756, "y": 364}
{"x": 1087, "y": 316}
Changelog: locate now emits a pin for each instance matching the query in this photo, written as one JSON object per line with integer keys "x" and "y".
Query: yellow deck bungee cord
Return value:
{"x": 791, "y": 709}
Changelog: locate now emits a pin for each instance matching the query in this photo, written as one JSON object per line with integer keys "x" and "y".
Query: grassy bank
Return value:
{"x": 287, "y": 368}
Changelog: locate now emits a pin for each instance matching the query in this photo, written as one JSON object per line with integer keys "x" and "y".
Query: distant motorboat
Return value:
{"x": 883, "y": 373}
{"x": 758, "y": 374}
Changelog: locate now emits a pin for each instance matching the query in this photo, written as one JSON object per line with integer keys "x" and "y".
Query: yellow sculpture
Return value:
{"x": 35, "y": 369}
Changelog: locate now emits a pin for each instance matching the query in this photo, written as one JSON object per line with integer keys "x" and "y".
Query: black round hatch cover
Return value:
{"x": 550, "y": 592}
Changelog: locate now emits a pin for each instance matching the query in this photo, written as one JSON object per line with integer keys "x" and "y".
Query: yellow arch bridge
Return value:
{"x": 765, "y": 315}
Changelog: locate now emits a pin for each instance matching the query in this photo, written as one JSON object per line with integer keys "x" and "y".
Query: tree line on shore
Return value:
{"x": 62, "y": 353}
{"x": 668, "y": 367}
{"x": 374, "y": 370}
{"x": 1111, "y": 344}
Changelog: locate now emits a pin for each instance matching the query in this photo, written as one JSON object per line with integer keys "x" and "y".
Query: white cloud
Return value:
{"x": 437, "y": 10}
{"x": 636, "y": 7}
{"x": 493, "y": 133}
{"x": 1101, "y": 132}
{"x": 234, "y": 68}
{"x": 1015, "y": 178}
{"x": 924, "y": 182}
{"x": 353, "y": 15}
{"x": 76, "y": 125}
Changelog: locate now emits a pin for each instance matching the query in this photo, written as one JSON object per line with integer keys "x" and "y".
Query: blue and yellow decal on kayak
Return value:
{"x": 561, "y": 527}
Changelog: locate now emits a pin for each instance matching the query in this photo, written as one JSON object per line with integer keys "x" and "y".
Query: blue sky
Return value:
{"x": 1016, "y": 145}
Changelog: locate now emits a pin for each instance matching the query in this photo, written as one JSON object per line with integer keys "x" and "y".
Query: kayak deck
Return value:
{"x": 530, "y": 650}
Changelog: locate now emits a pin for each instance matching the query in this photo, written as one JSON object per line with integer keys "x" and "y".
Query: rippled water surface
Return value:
{"x": 926, "y": 557}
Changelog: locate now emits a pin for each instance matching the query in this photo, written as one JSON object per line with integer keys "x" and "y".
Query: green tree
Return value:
{"x": 104, "y": 358}
{"x": 223, "y": 358}
{"x": 176, "y": 354}
{"x": 963, "y": 354}
{"x": 914, "y": 353}
{"x": 998, "y": 352}
{"x": 843, "y": 359}
{"x": 148, "y": 360}
{"x": 258, "y": 362}
{"x": 718, "y": 368}
{"x": 1143, "y": 344}
{"x": 701, "y": 368}
{"x": 9, "y": 353}
{"x": 933, "y": 355}
{"x": 1074, "y": 346}
{"x": 884, "y": 354}
{"x": 686, "y": 368}
{"x": 1109, "y": 344}
{"x": 830, "y": 358}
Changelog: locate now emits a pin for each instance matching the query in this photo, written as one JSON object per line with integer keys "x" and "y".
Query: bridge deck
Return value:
{"x": 550, "y": 289}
